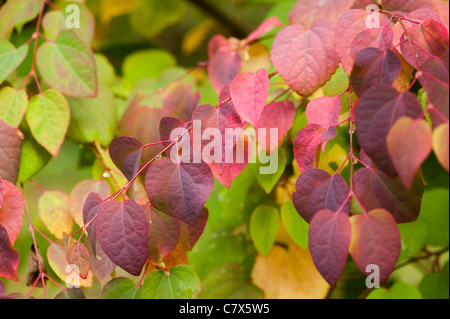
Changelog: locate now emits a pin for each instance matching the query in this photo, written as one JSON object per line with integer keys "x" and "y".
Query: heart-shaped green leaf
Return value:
{"x": 12, "y": 105}
{"x": 10, "y": 58}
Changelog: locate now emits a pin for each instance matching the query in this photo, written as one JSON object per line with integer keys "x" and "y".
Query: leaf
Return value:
{"x": 120, "y": 288}
{"x": 307, "y": 142}
{"x": 9, "y": 257}
{"x": 317, "y": 190}
{"x": 296, "y": 226}
{"x": 375, "y": 189}
{"x": 409, "y": 144}
{"x": 101, "y": 265}
{"x": 329, "y": 240}
{"x": 375, "y": 241}
{"x": 288, "y": 274}
{"x": 56, "y": 257}
{"x": 229, "y": 282}
{"x": 11, "y": 140}
{"x": 374, "y": 66}
{"x": 68, "y": 65}
{"x": 179, "y": 101}
{"x": 279, "y": 115}
{"x": 179, "y": 190}
{"x": 163, "y": 234}
{"x": 428, "y": 38}
{"x": 434, "y": 286}
{"x": 78, "y": 258}
{"x": 324, "y": 111}
{"x": 264, "y": 223}
{"x": 378, "y": 109}
{"x": 16, "y": 13}
{"x": 122, "y": 231}
{"x": 13, "y": 105}
{"x": 178, "y": 256}
{"x": 265, "y": 27}
{"x": 190, "y": 234}
{"x": 440, "y": 144}
{"x": 71, "y": 293}
{"x": 307, "y": 12}
{"x": 48, "y": 116}
{"x": 10, "y": 58}
{"x": 93, "y": 119}
{"x": 400, "y": 290}
{"x": 269, "y": 181}
{"x": 35, "y": 262}
{"x": 126, "y": 153}
{"x": 249, "y": 94}
{"x": 54, "y": 212}
{"x": 223, "y": 67}
{"x": 405, "y": 5}
{"x": 305, "y": 59}
{"x": 181, "y": 282}
{"x": 11, "y": 209}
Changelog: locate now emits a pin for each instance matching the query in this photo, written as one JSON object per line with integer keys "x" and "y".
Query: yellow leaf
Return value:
{"x": 109, "y": 9}
{"x": 54, "y": 211}
{"x": 256, "y": 57}
{"x": 195, "y": 37}
{"x": 336, "y": 155}
{"x": 289, "y": 274}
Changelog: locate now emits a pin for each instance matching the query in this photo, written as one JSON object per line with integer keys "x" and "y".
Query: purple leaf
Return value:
{"x": 90, "y": 210}
{"x": 190, "y": 234}
{"x": 126, "y": 153}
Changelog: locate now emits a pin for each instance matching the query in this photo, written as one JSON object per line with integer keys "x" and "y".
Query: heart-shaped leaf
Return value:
{"x": 126, "y": 153}
{"x": 78, "y": 258}
{"x": 11, "y": 209}
{"x": 10, "y": 58}
{"x": 9, "y": 257}
{"x": 307, "y": 12}
{"x": 264, "y": 224}
{"x": 54, "y": 211}
{"x": 13, "y": 104}
{"x": 190, "y": 234}
{"x": 90, "y": 210}
{"x": 11, "y": 140}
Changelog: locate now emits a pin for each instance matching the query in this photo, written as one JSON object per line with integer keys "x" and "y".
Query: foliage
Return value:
{"x": 359, "y": 100}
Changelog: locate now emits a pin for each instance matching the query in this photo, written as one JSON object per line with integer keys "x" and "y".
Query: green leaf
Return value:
{"x": 54, "y": 212}
{"x": 48, "y": 117}
{"x": 181, "y": 282}
{"x": 120, "y": 288}
{"x": 434, "y": 214}
{"x": 93, "y": 119}
{"x": 268, "y": 181}
{"x": 16, "y": 13}
{"x": 295, "y": 225}
{"x": 146, "y": 64}
{"x": 229, "y": 281}
{"x": 434, "y": 286}
{"x": 105, "y": 70}
{"x": 264, "y": 224}
{"x": 68, "y": 66}
{"x": 413, "y": 237}
{"x": 162, "y": 14}
{"x": 13, "y": 105}
{"x": 10, "y": 58}
{"x": 400, "y": 290}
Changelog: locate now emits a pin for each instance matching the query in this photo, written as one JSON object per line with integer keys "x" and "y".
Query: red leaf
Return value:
{"x": 278, "y": 115}
{"x": 409, "y": 144}
{"x": 351, "y": 23}
{"x": 10, "y": 151}
{"x": 90, "y": 210}
{"x": 308, "y": 12}
{"x": 375, "y": 240}
{"x": 329, "y": 240}
{"x": 305, "y": 59}
{"x": 9, "y": 257}
{"x": 421, "y": 41}
{"x": 190, "y": 234}
{"x": 265, "y": 27}
{"x": 179, "y": 189}
{"x": 374, "y": 66}
{"x": 316, "y": 190}
{"x": 163, "y": 234}
{"x": 126, "y": 153}
{"x": 223, "y": 67}
{"x": 249, "y": 92}
{"x": 179, "y": 101}
{"x": 307, "y": 142}
{"x": 324, "y": 111}
{"x": 122, "y": 232}
{"x": 376, "y": 112}
{"x": 11, "y": 211}
{"x": 375, "y": 189}
{"x": 78, "y": 255}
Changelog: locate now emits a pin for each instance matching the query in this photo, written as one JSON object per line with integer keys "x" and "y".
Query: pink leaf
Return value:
{"x": 308, "y": 12}
{"x": 223, "y": 67}
{"x": 265, "y": 27}
{"x": 406, "y": 5}
{"x": 11, "y": 140}
{"x": 316, "y": 190}
{"x": 375, "y": 189}
{"x": 122, "y": 232}
{"x": 179, "y": 101}
{"x": 305, "y": 59}
{"x": 278, "y": 115}
{"x": 78, "y": 255}
{"x": 375, "y": 241}
{"x": 373, "y": 38}
{"x": 9, "y": 257}
{"x": 249, "y": 92}
{"x": 324, "y": 111}
{"x": 11, "y": 210}
{"x": 329, "y": 240}
{"x": 377, "y": 110}
{"x": 179, "y": 189}
{"x": 217, "y": 43}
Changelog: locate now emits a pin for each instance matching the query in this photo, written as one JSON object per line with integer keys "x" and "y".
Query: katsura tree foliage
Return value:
{"x": 93, "y": 204}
